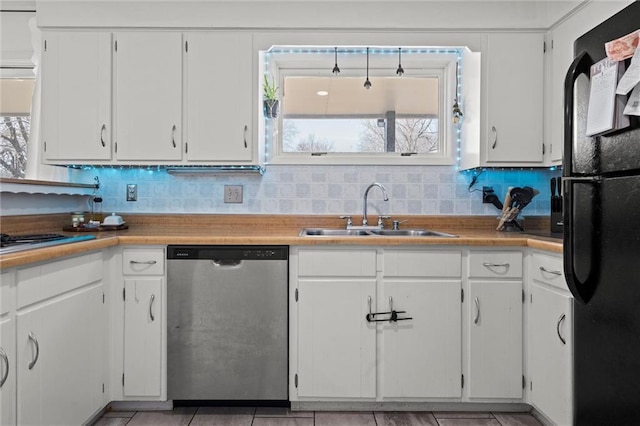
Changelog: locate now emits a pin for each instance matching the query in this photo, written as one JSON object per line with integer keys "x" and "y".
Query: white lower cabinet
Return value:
{"x": 494, "y": 325}
{"x": 340, "y": 354}
{"x": 7, "y": 349}
{"x": 422, "y": 356}
{"x": 144, "y": 348}
{"x": 336, "y": 345}
{"x": 550, "y": 351}
{"x": 143, "y": 337}
{"x": 60, "y": 335}
{"x": 495, "y": 339}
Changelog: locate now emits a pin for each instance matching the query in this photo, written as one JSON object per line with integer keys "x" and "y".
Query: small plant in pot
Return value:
{"x": 270, "y": 98}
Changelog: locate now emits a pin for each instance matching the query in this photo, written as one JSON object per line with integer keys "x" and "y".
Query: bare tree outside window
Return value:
{"x": 412, "y": 135}
{"x": 14, "y": 136}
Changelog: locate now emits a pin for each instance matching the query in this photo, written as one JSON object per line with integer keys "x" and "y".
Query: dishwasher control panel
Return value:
{"x": 227, "y": 252}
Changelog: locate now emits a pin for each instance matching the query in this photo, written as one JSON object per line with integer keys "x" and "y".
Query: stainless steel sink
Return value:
{"x": 411, "y": 233}
{"x": 332, "y": 232}
{"x": 311, "y": 232}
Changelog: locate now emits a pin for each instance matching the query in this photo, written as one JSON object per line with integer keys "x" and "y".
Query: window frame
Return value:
{"x": 441, "y": 65}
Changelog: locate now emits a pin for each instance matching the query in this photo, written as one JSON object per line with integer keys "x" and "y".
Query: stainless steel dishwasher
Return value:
{"x": 227, "y": 321}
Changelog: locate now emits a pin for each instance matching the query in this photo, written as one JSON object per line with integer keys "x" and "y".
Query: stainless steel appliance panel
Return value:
{"x": 227, "y": 323}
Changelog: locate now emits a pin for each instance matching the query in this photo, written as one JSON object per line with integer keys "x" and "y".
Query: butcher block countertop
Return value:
{"x": 162, "y": 229}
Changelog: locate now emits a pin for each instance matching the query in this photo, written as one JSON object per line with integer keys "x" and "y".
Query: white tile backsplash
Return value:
{"x": 322, "y": 190}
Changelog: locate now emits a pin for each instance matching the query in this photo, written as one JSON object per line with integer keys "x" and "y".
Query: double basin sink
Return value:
{"x": 332, "y": 232}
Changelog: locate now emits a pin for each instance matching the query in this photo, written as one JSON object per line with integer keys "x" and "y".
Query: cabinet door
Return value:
{"x": 495, "y": 339}
{"x": 336, "y": 345}
{"x": 148, "y": 96}
{"x": 7, "y": 349}
{"x": 514, "y": 128}
{"x": 551, "y": 353}
{"x": 219, "y": 85}
{"x": 143, "y": 318}
{"x": 422, "y": 355}
{"x": 62, "y": 341}
{"x": 76, "y": 96}
{"x": 7, "y": 372}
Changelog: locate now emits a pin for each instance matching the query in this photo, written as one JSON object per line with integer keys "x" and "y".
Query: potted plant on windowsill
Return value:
{"x": 270, "y": 98}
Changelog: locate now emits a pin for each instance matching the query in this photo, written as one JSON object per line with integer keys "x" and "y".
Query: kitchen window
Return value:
{"x": 332, "y": 118}
{"x": 15, "y": 125}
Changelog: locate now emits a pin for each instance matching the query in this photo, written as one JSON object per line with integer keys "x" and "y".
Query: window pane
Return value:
{"x": 415, "y": 135}
{"x": 338, "y": 115}
{"x": 15, "y": 125}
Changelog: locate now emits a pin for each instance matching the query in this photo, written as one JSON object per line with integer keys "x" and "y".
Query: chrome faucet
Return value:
{"x": 364, "y": 204}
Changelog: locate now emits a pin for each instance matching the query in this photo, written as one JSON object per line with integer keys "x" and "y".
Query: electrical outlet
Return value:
{"x": 233, "y": 193}
{"x": 486, "y": 191}
{"x": 132, "y": 192}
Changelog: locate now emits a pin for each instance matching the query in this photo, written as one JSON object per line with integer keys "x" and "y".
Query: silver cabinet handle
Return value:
{"x": 390, "y": 303}
{"x": 32, "y": 337}
{"x": 153, "y": 298}
{"x": 494, "y": 132}
{"x": 102, "y": 129}
{"x": 173, "y": 135}
{"x": 246, "y": 129}
{"x": 369, "y": 303}
{"x": 146, "y": 262}
{"x": 496, "y": 265}
{"x": 477, "y": 317}
{"x": 5, "y": 359}
{"x": 543, "y": 269}
{"x": 564, "y": 342}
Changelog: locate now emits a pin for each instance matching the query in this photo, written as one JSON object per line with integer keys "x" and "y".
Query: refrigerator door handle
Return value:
{"x": 581, "y": 290}
{"x": 580, "y": 65}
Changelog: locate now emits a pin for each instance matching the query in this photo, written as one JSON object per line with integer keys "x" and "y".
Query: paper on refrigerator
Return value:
{"x": 631, "y": 77}
{"x": 602, "y": 96}
{"x": 633, "y": 104}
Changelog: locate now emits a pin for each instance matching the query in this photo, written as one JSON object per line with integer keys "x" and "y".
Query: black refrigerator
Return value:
{"x": 601, "y": 212}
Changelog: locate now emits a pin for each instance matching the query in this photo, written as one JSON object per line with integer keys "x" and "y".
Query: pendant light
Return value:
{"x": 336, "y": 69}
{"x": 367, "y": 83}
{"x": 400, "y": 70}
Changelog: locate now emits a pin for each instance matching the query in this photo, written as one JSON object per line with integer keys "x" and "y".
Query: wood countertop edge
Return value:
{"x": 285, "y": 238}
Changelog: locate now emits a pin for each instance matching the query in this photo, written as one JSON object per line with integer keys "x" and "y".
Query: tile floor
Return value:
{"x": 241, "y": 416}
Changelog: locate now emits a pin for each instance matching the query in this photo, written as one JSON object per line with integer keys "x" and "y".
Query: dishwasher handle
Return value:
{"x": 226, "y": 263}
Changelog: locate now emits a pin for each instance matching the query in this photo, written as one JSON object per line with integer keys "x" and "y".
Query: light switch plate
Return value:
{"x": 233, "y": 193}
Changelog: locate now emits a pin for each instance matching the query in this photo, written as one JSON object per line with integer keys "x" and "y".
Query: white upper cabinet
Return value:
{"x": 513, "y": 131}
{"x": 148, "y": 96}
{"x": 76, "y": 96}
{"x": 218, "y": 97}
{"x": 560, "y": 46}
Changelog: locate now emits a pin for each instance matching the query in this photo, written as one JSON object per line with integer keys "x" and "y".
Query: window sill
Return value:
{"x": 360, "y": 160}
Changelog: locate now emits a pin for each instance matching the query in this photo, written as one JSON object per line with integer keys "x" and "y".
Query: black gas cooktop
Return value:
{"x": 14, "y": 243}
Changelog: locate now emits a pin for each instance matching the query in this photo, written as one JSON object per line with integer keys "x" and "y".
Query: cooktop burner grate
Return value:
{"x": 8, "y": 240}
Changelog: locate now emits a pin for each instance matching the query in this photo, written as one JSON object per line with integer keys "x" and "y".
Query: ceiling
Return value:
{"x": 348, "y": 97}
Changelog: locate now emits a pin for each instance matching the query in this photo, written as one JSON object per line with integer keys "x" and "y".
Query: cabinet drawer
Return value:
{"x": 337, "y": 263}
{"x": 495, "y": 264}
{"x": 36, "y": 283}
{"x": 143, "y": 261}
{"x": 548, "y": 269}
{"x": 416, "y": 263}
